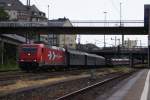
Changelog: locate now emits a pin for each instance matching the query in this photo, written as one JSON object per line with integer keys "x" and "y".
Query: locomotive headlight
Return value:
{"x": 21, "y": 60}
{"x": 29, "y": 54}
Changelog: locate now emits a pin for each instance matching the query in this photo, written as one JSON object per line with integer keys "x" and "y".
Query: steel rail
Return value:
{"x": 83, "y": 90}
{"x": 13, "y": 70}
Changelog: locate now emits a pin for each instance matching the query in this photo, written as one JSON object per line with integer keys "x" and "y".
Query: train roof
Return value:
{"x": 32, "y": 45}
{"x": 43, "y": 45}
{"x": 84, "y": 53}
{"x": 94, "y": 55}
{"x": 76, "y": 52}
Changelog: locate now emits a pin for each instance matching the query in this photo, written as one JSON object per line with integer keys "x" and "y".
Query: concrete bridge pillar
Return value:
{"x": 2, "y": 52}
{"x": 147, "y": 27}
{"x": 149, "y": 50}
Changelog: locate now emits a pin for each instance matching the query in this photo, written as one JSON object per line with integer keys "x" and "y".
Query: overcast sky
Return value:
{"x": 94, "y": 10}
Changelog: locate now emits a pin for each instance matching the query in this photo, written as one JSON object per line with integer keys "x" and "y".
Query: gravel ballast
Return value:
{"x": 55, "y": 90}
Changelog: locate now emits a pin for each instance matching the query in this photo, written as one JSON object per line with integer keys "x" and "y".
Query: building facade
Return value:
{"x": 63, "y": 40}
{"x": 19, "y": 12}
{"x": 35, "y": 15}
{"x": 130, "y": 43}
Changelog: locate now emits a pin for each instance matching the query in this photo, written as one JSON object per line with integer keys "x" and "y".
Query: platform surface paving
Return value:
{"x": 136, "y": 87}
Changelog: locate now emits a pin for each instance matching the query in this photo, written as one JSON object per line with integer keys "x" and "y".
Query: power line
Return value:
{"x": 36, "y": 2}
{"x": 115, "y": 7}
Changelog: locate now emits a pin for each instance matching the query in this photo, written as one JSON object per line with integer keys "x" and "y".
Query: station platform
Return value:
{"x": 136, "y": 87}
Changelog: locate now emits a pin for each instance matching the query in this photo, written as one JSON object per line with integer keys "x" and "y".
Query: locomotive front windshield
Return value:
{"x": 29, "y": 49}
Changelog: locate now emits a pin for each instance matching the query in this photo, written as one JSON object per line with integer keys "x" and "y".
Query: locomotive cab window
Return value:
{"x": 29, "y": 49}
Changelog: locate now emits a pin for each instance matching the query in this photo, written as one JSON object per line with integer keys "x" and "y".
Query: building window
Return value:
{"x": 35, "y": 13}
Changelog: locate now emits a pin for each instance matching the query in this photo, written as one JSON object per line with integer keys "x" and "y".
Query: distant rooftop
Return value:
{"x": 60, "y": 22}
{"x": 19, "y": 6}
{"x": 12, "y": 5}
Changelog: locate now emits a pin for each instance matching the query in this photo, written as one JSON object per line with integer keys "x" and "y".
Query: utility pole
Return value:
{"x": 120, "y": 12}
{"x": 48, "y": 34}
{"x": 119, "y": 42}
{"x": 121, "y": 23}
{"x": 140, "y": 44}
{"x": 115, "y": 40}
{"x": 48, "y": 12}
{"x": 28, "y": 5}
{"x": 105, "y": 23}
{"x": 79, "y": 39}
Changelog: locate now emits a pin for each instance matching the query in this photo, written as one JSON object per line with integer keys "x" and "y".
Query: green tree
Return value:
{"x": 3, "y": 15}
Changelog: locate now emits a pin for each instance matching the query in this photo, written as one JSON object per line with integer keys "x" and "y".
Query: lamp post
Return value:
{"x": 120, "y": 12}
{"x": 118, "y": 41}
{"x": 105, "y": 23}
{"x": 121, "y": 23}
{"x": 140, "y": 44}
{"x": 48, "y": 12}
{"x": 79, "y": 39}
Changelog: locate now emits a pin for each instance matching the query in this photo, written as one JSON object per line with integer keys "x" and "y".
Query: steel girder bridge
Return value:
{"x": 126, "y": 27}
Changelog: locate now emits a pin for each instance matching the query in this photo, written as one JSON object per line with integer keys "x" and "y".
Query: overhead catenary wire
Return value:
{"x": 36, "y": 3}
{"x": 115, "y": 7}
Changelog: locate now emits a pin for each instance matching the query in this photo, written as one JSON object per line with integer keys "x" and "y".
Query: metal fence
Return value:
{"x": 23, "y": 24}
{"x": 78, "y": 23}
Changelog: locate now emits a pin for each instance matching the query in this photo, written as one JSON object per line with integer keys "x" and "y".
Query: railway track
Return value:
{"x": 77, "y": 94}
{"x": 11, "y": 77}
{"x": 9, "y": 70}
{"x": 60, "y": 89}
{"x": 12, "y": 74}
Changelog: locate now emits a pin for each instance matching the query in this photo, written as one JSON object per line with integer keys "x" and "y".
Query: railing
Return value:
{"x": 78, "y": 23}
{"x": 115, "y": 49}
{"x": 108, "y": 23}
{"x": 23, "y": 24}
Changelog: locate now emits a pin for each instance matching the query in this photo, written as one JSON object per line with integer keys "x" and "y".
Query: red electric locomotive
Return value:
{"x": 33, "y": 56}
